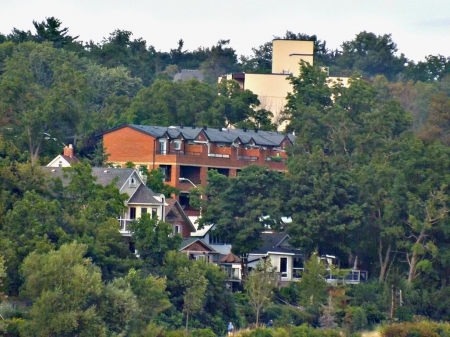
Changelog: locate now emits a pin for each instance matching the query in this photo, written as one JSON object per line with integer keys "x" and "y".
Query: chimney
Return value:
{"x": 68, "y": 151}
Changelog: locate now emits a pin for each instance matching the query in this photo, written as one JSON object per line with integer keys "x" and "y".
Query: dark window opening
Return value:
{"x": 283, "y": 266}
{"x": 192, "y": 173}
{"x": 132, "y": 212}
{"x": 167, "y": 171}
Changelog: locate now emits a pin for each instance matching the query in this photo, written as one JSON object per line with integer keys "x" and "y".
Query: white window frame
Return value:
{"x": 177, "y": 144}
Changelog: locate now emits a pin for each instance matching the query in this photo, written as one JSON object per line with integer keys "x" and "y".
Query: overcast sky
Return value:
{"x": 419, "y": 27}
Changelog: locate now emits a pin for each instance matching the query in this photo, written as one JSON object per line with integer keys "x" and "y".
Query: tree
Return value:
{"x": 423, "y": 218}
{"x": 64, "y": 288}
{"x": 259, "y": 286}
{"x": 49, "y": 30}
{"x": 151, "y": 294}
{"x": 195, "y": 284}
{"x": 153, "y": 238}
{"x": 42, "y": 94}
{"x": 437, "y": 126}
{"x": 323, "y": 203}
{"x": 372, "y": 55}
{"x": 242, "y": 207}
{"x": 155, "y": 182}
{"x": 313, "y": 285}
{"x": 327, "y": 319}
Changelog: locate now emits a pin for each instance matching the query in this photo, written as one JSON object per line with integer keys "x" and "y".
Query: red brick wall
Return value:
{"x": 127, "y": 144}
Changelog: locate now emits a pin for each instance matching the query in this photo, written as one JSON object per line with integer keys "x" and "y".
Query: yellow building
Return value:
{"x": 272, "y": 89}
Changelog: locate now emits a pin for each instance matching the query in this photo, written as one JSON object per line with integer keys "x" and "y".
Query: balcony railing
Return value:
{"x": 218, "y": 155}
{"x": 276, "y": 159}
{"x": 352, "y": 277}
{"x": 249, "y": 158}
{"x": 124, "y": 223}
{"x": 179, "y": 153}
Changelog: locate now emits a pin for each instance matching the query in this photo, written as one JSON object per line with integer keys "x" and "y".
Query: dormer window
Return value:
{"x": 163, "y": 146}
{"x": 132, "y": 182}
{"x": 177, "y": 145}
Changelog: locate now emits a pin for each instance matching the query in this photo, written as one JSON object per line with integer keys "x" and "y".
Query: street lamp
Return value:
{"x": 181, "y": 179}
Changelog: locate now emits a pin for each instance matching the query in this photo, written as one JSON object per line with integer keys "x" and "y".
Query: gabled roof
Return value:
{"x": 67, "y": 161}
{"x": 276, "y": 243}
{"x": 222, "y": 135}
{"x": 188, "y": 74}
{"x": 103, "y": 175}
{"x": 186, "y": 243}
{"x": 171, "y": 205}
{"x": 144, "y": 195}
{"x": 199, "y": 232}
{"x": 230, "y": 258}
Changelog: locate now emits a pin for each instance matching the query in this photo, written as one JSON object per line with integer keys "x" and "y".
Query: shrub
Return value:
{"x": 203, "y": 333}
{"x": 422, "y": 329}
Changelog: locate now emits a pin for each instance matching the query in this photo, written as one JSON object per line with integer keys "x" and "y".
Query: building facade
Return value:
{"x": 272, "y": 89}
{"x": 185, "y": 154}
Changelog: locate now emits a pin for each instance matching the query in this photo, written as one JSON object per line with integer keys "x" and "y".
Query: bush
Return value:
{"x": 307, "y": 331}
{"x": 203, "y": 333}
{"x": 422, "y": 329}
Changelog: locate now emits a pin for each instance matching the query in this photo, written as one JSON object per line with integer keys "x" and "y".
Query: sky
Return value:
{"x": 418, "y": 27}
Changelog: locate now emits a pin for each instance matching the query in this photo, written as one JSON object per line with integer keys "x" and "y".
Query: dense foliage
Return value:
{"x": 367, "y": 181}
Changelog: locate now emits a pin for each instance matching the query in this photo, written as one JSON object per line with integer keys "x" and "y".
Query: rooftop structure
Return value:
{"x": 185, "y": 154}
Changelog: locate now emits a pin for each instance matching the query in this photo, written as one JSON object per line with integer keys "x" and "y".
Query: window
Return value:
{"x": 163, "y": 146}
{"x": 132, "y": 182}
{"x": 214, "y": 239}
{"x": 154, "y": 212}
{"x": 177, "y": 145}
{"x": 177, "y": 229}
{"x": 143, "y": 211}
{"x": 132, "y": 212}
{"x": 283, "y": 266}
{"x": 167, "y": 171}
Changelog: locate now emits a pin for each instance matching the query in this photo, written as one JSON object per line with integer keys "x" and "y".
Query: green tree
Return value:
{"x": 242, "y": 207}
{"x": 195, "y": 284}
{"x": 153, "y": 238}
{"x": 313, "y": 287}
{"x": 42, "y": 93}
{"x": 372, "y": 55}
{"x": 259, "y": 286}
{"x": 64, "y": 288}
{"x": 155, "y": 181}
{"x": 50, "y": 30}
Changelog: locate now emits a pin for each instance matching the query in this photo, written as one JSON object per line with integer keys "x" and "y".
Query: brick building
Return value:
{"x": 185, "y": 154}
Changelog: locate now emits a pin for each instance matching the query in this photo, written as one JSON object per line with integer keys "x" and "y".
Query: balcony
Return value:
{"x": 180, "y": 153}
{"x": 248, "y": 158}
{"x": 337, "y": 276}
{"x": 124, "y": 223}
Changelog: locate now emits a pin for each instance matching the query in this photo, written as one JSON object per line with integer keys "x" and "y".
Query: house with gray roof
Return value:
{"x": 141, "y": 199}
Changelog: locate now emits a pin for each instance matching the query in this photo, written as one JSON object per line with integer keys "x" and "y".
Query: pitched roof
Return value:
{"x": 104, "y": 176}
{"x": 221, "y": 135}
{"x": 190, "y": 241}
{"x": 144, "y": 195}
{"x": 230, "y": 258}
{"x": 188, "y": 74}
{"x": 275, "y": 242}
{"x": 172, "y": 204}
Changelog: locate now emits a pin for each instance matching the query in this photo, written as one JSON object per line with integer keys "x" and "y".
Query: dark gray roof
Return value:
{"x": 143, "y": 195}
{"x": 222, "y": 135}
{"x": 271, "y": 243}
{"x": 104, "y": 176}
{"x": 188, "y": 74}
